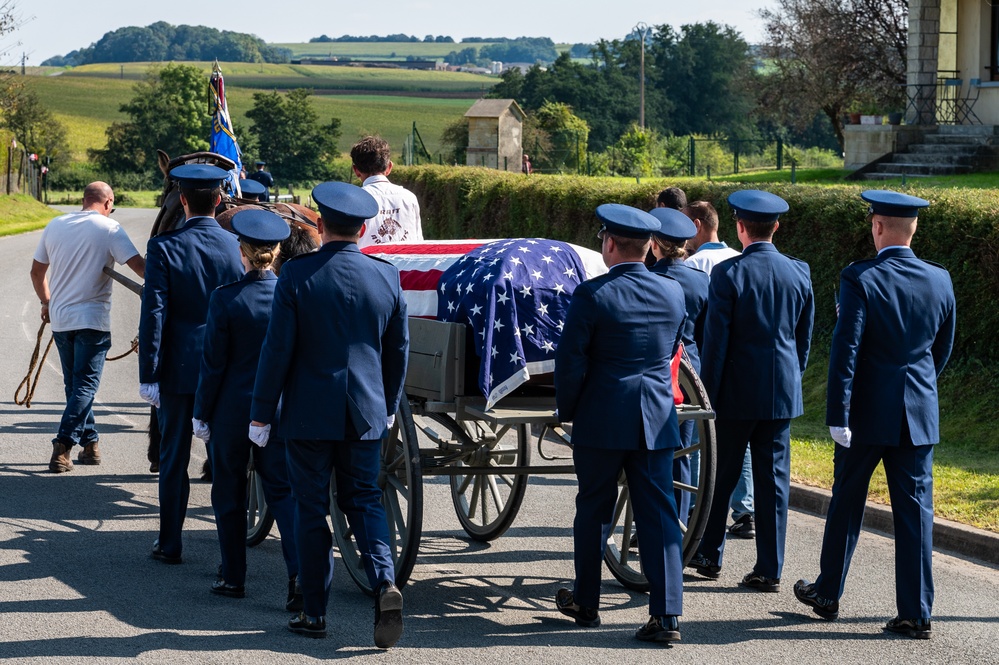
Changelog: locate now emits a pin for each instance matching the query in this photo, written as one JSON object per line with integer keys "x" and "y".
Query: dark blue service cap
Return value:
{"x": 260, "y": 227}
{"x": 343, "y": 204}
{"x": 627, "y": 222}
{"x": 199, "y": 176}
{"x": 251, "y": 187}
{"x": 753, "y": 205}
{"x": 893, "y": 204}
{"x": 259, "y": 163}
{"x": 674, "y": 225}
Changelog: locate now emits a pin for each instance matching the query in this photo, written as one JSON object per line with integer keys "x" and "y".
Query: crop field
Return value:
{"x": 382, "y": 50}
{"x": 320, "y": 77}
{"x": 88, "y": 105}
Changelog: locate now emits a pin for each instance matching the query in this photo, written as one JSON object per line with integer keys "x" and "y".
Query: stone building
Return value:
{"x": 495, "y": 134}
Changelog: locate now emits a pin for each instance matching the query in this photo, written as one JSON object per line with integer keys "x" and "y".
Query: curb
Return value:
{"x": 947, "y": 535}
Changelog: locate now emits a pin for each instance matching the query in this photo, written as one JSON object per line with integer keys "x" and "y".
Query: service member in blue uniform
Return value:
{"x": 893, "y": 337}
{"x": 183, "y": 267}
{"x": 667, "y": 246}
{"x": 251, "y": 189}
{"x": 612, "y": 380}
{"x": 335, "y": 354}
{"x": 237, "y": 322}
{"x": 757, "y": 334}
{"x": 264, "y": 178}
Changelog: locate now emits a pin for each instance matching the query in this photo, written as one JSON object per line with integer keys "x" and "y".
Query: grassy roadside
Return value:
{"x": 20, "y": 213}
{"x": 965, "y": 465}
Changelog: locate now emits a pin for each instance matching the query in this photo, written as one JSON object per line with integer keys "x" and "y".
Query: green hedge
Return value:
{"x": 825, "y": 227}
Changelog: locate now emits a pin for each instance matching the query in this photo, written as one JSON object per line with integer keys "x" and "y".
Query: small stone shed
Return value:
{"x": 495, "y": 134}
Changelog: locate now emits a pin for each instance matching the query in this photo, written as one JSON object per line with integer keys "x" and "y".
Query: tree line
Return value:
{"x": 397, "y": 37}
{"x": 162, "y": 42}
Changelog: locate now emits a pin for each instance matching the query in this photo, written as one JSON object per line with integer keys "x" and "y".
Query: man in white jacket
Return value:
{"x": 398, "y": 218}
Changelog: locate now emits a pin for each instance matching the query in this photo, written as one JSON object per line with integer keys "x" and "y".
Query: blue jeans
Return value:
{"x": 82, "y": 353}
{"x": 742, "y": 497}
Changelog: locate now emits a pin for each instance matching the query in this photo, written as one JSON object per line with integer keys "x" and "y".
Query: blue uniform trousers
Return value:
{"x": 650, "y": 481}
{"x": 909, "y": 470}
{"x": 174, "y": 418}
{"x": 230, "y": 452}
{"x": 770, "y": 444}
{"x": 356, "y": 464}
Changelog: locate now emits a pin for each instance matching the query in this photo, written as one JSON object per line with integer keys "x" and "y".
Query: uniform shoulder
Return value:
{"x": 935, "y": 264}
{"x": 378, "y": 259}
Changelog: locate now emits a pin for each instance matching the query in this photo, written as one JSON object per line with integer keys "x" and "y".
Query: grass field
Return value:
{"x": 20, "y": 213}
{"x": 267, "y": 76}
{"x": 88, "y": 104}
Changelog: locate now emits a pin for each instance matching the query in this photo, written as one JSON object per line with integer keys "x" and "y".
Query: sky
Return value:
{"x": 56, "y": 27}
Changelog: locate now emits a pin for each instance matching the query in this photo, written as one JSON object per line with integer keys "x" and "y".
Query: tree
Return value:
{"x": 569, "y": 136}
{"x": 168, "y": 112}
{"x": 22, "y": 112}
{"x": 827, "y": 55}
{"x": 292, "y": 139}
{"x": 454, "y": 141}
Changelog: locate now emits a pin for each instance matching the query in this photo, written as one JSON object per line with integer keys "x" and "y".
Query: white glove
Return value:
{"x": 201, "y": 429}
{"x": 390, "y": 422}
{"x": 150, "y": 392}
{"x": 841, "y": 435}
{"x": 260, "y": 435}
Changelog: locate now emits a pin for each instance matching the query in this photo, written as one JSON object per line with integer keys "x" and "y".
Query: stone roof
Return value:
{"x": 494, "y": 108}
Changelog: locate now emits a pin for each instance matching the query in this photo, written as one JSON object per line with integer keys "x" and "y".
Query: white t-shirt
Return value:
{"x": 398, "y": 218}
{"x": 709, "y": 255}
{"x": 77, "y": 247}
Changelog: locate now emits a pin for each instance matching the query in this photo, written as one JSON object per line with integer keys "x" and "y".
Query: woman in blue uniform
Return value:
{"x": 667, "y": 246}
{"x": 237, "y": 323}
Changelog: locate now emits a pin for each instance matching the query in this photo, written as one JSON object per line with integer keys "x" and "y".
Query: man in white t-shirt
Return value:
{"x": 709, "y": 251}
{"x": 75, "y": 294}
{"x": 398, "y": 218}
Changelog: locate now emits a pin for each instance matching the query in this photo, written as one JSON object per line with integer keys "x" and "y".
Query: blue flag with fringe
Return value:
{"x": 223, "y": 140}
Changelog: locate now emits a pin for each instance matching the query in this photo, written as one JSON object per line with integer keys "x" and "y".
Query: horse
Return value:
{"x": 304, "y": 237}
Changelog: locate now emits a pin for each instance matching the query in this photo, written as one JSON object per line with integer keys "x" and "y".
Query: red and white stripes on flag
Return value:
{"x": 421, "y": 265}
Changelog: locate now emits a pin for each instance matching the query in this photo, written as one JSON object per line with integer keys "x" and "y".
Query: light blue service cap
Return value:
{"x": 674, "y": 226}
{"x": 199, "y": 176}
{"x": 893, "y": 204}
{"x": 344, "y": 204}
{"x": 754, "y": 205}
{"x": 627, "y": 222}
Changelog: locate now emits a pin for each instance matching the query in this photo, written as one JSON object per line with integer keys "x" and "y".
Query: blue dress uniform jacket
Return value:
{"x": 894, "y": 335}
{"x": 629, "y": 319}
{"x": 695, "y": 298}
{"x": 612, "y": 379}
{"x": 318, "y": 352}
{"x": 182, "y": 269}
{"x": 237, "y": 322}
{"x": 757, "y": 334}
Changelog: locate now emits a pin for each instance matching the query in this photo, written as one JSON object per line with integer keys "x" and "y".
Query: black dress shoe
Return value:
{"x": 660, "y": 629}
{"x": 308, "y": 626}
{"x": 825, "y": 608}
{"x": 587, "y": 617}
{"x": 296, "y": 603}
{"x": 388, "y": 616}
{"x": 758, "y": 582}
{"x": 915, "y": 628}
{"x": 222, "y": 588}
{"x": 162, "y": 556}
{"x": 744, "y": 527}
{"x": 705, "y": 566}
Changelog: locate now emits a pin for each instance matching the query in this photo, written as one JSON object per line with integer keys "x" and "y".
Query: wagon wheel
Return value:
{"x": 401, "y": 481}
{"x": 622, "y": 553}
{"x": 259, "y": 518}
{"x": 486, "y": 504}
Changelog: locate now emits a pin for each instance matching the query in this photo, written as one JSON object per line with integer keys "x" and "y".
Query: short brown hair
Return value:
{"x": 631, "y": 247}
{"x": 703, "y": 211}
{"x": 371, "y": 155}
{"x": 201, "y": 201}
{"x": 759, "y": 230}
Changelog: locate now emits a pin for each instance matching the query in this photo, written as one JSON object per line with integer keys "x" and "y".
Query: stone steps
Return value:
{"x": 950, "y": 150}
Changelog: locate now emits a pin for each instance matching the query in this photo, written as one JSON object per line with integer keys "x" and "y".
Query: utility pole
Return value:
{"x": 24, "y": 58}
{"x": 642, "y": 30}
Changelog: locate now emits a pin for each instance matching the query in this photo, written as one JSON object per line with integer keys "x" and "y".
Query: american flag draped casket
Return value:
{"x": 512, "y": 293}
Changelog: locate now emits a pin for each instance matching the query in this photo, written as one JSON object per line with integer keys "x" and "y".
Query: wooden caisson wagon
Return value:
{"x": 446, "y": 427}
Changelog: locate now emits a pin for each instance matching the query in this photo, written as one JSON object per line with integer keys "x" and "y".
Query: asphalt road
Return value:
{"x": 77, "y": 585}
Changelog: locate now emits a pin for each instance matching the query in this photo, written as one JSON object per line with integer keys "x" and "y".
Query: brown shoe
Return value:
{"x": 90, "y": 455}
{"x": 60, "y": 462}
